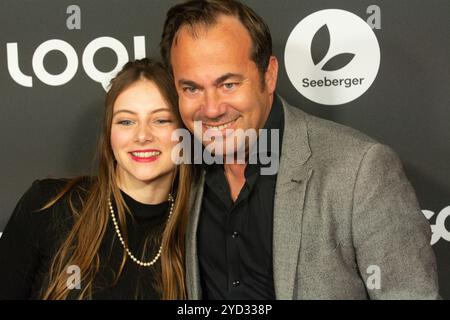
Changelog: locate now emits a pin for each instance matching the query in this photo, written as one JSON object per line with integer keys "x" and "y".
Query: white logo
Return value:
{"x": 438, "y": 229}
{"x": 228, "y": 149}
{"x": 332, "y": 57}
{"x": 74, "y": 279}
{"x": 71, "y": 56}
{"x": 374, "y": 280}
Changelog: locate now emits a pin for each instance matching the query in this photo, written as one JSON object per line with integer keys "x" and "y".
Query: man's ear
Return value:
{"x": 271, "y": 75}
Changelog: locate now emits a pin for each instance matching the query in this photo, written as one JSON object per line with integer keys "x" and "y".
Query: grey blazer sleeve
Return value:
{"x": 390, "y": 234}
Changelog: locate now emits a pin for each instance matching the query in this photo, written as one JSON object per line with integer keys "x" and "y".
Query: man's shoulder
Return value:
{"x": 329, "y": 138}
{"x": 329, "y": 129}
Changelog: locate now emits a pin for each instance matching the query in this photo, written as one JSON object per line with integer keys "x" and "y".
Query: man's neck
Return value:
{"x": 234, "y": 173}
{"x": 235, "y": 170}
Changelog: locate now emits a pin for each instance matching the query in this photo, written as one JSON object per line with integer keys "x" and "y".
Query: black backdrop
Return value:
{"x": 49, "y": 129}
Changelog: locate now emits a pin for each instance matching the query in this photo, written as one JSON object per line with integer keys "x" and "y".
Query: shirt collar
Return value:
{"x": 275, "y": 121}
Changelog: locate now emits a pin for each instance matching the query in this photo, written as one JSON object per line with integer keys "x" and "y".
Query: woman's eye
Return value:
{"x": 162, "y": 121}
{"x": 125, "y": 122}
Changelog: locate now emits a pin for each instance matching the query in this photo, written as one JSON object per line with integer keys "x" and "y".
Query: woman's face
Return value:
{"x": 141, "y": 130}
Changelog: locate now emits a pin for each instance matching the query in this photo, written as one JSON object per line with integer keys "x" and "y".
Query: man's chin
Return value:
{"x": 232, "y": 156}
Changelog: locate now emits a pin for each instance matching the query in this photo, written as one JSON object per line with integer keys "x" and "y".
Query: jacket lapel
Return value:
{"x": 293, "y": 176}
{"x": 192, "y": 268}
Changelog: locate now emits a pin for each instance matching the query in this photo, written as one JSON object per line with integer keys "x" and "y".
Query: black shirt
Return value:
{"x": 235, "y": 239}
{"x": 30, "y": 240}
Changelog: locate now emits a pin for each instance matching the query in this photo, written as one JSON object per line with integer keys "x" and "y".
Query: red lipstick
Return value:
{"x": 147, "y": 155}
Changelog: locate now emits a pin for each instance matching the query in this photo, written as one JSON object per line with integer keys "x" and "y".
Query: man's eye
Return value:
{"x": 190, "y": 90}
{"x": 229, "y": 85}
{"x": 125, "y": 122}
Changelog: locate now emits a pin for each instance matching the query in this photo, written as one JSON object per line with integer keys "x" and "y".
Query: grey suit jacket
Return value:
{"x": 347, "y": 224}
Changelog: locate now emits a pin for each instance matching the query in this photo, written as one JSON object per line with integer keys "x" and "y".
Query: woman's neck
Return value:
{"x": 153, "y": 192}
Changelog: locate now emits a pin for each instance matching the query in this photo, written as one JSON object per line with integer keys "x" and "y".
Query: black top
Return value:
{"x": 235, "y": 239}
{"x": 30, "y": 240}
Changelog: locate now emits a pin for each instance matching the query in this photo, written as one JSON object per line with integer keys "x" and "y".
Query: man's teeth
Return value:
{"x": 146, "y": 154}
{"x": 223, "y": 126}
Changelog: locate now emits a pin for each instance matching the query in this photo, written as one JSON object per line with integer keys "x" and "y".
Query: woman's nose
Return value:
{"x": 144, "y": 134}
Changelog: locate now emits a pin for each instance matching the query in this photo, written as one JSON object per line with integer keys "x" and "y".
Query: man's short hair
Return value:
{"x": 205, "y": 12}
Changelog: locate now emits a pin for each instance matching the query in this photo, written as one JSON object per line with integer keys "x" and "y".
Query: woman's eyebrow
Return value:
{"x": 134, "y": 113}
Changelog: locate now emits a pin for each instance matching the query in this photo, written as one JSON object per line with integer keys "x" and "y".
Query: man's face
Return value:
{"x": 217, "y": 82}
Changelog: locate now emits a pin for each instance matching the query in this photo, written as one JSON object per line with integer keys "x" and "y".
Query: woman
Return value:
{"x": 119, "y": 235}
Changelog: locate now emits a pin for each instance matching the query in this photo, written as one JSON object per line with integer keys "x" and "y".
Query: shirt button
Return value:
{"x": 235, "y": 235}
{"x": 236, "y": 283}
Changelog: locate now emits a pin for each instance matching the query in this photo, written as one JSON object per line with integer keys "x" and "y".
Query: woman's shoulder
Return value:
{"x": 38, "y": 212}
{"x": 42, "y": 191}
{"x": 33, "y": 234}
{"x": 50, "y": 198}
{"x": 54, "y": 184}
{"x": 43, "y": 188}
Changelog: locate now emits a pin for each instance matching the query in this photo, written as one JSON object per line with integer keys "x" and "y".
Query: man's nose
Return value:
{"x": 213, "y": 108}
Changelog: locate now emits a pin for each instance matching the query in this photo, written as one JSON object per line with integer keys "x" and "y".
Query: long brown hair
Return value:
{"x": 91, "y": 217}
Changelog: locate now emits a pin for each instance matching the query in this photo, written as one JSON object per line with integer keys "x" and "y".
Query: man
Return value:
{"x": 339, "y": 220}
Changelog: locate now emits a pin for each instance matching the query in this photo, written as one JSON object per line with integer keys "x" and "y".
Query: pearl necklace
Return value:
{"x": 116, "y": 226}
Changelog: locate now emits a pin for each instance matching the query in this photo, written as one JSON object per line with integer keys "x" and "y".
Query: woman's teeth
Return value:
{"x": 146, "y": 154}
